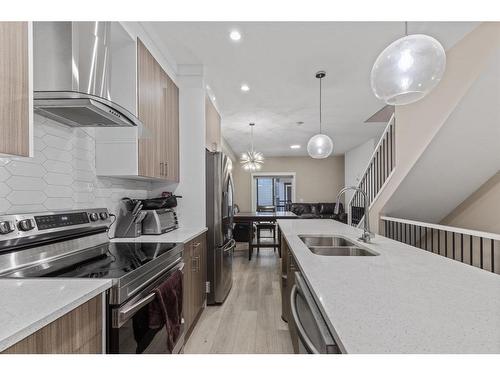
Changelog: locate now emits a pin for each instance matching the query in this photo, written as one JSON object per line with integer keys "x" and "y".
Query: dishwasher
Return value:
{"x": 312, "y": 331}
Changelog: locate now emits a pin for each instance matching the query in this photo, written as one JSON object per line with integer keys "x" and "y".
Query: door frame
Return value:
{"x": 253, "y": 207}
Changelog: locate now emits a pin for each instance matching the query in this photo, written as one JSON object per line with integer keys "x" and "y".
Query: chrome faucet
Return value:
{"x": 367, "y": 234}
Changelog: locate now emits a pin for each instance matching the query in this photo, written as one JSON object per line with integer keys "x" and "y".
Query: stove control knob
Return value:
{"x": 94, "y": 216}
{"x": 26, "y": 225}
{"x": 5, "y": 227}
{"x": 103, "y": 215}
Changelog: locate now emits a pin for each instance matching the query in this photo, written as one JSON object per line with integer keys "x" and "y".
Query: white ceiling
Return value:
{"x": 278, "y": 60}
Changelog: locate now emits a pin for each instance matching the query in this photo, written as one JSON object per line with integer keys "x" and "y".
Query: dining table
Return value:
{"x": 255, "y": 217}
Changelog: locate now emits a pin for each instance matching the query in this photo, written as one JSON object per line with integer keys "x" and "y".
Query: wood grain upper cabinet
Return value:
{"x": 158, "y": 109}
{"x": 170, "y": 135}
{"x": 15, "y": 108}
{"x": 213, "y": 126}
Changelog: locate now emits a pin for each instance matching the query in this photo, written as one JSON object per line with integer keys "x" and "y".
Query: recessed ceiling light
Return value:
{"x": 245, "y": 88}
{"x": 213, "y": 98}
{"x": 235, "y": 35}
{"x": 208, "y": 87}
{"x": 295, "y": 146}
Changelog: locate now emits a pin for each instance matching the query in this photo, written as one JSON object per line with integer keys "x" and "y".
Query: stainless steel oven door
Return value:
{"x": 129, "y": 332}
{"x": 314, "y": 335}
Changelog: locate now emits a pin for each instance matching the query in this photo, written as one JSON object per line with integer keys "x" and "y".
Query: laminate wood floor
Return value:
{"x": 249, "y": 321}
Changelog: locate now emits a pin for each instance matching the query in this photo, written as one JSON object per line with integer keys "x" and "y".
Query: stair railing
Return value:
{"x": 376, "y": 173}
{"x": 476, "y": 248}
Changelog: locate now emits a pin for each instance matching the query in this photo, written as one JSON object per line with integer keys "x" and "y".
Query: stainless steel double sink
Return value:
{"x": 334, "y": 246}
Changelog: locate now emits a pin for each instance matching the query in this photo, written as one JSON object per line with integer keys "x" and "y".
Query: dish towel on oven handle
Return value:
{"x": 166, "y": 308}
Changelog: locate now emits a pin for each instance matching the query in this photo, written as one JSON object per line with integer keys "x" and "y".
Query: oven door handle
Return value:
{"x": 128, "y": 311}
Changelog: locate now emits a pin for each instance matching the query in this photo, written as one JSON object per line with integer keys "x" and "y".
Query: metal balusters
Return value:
{"x": 481, "y": 245}
{"x": 470, "y": 250}
{"x": 492, "y": 255}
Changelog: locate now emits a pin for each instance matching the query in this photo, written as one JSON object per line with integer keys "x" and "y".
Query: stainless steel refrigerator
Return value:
{"x": 220, "y": 242}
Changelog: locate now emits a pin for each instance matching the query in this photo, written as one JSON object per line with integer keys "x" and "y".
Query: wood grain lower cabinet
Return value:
{"x": 77, "y": 332}
{"x": 15, "y": 89}
{"x": 195, "y": 277}
{"x": 288, "y": 269}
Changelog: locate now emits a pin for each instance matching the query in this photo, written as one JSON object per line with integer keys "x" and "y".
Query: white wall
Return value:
{"x": 356, "y": 161}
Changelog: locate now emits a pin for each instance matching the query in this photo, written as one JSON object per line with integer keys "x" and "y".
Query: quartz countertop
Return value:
{"x": 405, "y": 300}
{"x": 179, "y": 235}
{"x": 30, "y": 304}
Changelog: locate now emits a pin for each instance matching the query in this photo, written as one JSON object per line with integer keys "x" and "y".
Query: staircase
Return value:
{"x": 442, "y": 150}
{"x": 376, "y": 174}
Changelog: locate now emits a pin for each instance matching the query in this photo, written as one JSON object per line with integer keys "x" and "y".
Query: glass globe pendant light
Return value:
{"x": 252, "y": 160}
{"x": 408, "y": 69}
{"x": 320, "y": 146}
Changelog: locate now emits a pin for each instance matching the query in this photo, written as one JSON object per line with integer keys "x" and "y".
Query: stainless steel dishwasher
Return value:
{"x": 314, "y": 335}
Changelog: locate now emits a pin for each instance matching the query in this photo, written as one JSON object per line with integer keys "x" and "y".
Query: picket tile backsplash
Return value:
{"x": 61, "y": 175}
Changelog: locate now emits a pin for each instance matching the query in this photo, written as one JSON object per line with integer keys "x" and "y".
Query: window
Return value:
{"x": 273, "y": 191}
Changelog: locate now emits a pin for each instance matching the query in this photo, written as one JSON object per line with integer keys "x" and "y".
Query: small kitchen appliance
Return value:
{"x": 159, "y": 221}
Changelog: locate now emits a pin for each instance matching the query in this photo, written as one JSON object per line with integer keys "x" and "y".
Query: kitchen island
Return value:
{"x": 404, "y": 300}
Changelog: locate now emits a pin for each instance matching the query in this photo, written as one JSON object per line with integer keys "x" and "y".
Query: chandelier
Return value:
{"x": 252, "y": 160}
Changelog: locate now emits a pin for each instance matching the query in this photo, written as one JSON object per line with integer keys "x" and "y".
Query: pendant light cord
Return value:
{"x": 406, "y": 28}
{"x": 320, "y": 105}
{"x": 251, "y": 136}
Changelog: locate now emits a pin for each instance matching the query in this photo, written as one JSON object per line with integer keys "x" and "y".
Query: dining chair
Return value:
{"x": 266, "y": 225}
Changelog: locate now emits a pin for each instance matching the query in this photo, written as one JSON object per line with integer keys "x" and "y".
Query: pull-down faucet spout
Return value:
{"x": 367, "y": 234}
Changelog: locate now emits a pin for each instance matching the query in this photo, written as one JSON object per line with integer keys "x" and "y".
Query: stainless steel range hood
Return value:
{"x": 72, "y": 73}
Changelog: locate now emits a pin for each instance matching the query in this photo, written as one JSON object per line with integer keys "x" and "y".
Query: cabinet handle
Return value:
{"x": 195, "y": 264}
{"x": 165, "y": 169}
{"x": 196, "y": 244}
{"x": 161, "y": 169}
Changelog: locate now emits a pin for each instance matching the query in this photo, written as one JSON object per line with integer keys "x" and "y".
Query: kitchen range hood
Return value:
{"x": 72, "y": 74}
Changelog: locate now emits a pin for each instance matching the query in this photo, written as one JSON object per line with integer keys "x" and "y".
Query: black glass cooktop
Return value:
{"x": 113, "y": 260}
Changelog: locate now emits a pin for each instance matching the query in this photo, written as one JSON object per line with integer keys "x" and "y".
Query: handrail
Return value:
{"x": 445, "y": 228}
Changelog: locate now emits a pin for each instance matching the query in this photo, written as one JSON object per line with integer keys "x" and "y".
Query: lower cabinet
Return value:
{"x": 77, "y": 332}
{"x": 195, "y": 276}
{"x": 288, "y": 269}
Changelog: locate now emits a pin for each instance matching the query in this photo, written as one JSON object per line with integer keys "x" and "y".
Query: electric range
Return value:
{"x": 75, "y": 244}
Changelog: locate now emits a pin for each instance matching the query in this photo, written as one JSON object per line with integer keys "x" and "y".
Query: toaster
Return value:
{"x": 159, "y": 221}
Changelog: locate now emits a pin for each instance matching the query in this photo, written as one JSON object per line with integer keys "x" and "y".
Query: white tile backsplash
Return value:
{"x": 61, "y": 175}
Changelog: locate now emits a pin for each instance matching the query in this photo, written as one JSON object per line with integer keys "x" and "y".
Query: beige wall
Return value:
{"x": 316, "y": 180}
{"x": 480, "y": 211}
{"x": 418, "y": 123}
